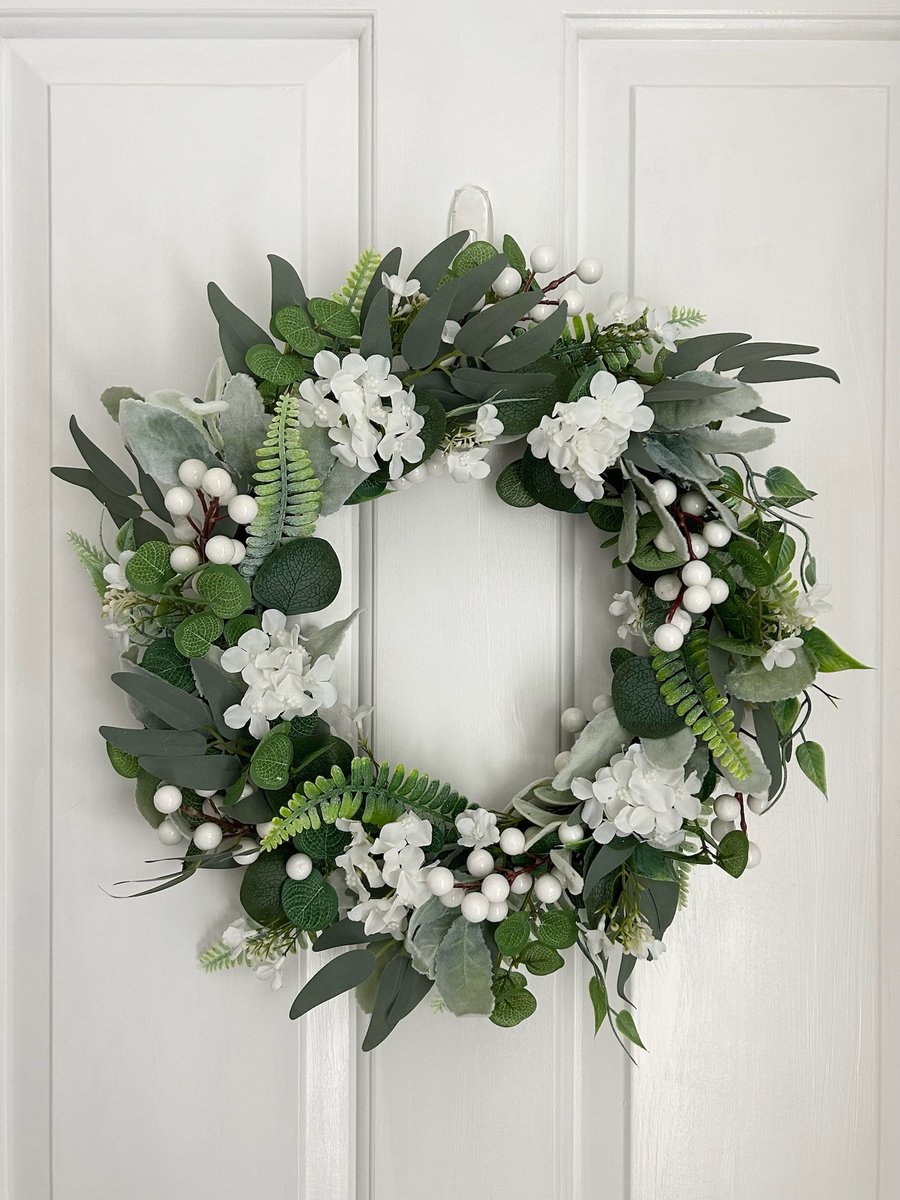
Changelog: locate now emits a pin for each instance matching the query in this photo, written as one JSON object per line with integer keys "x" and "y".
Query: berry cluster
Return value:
{"x": 206, "y": 496}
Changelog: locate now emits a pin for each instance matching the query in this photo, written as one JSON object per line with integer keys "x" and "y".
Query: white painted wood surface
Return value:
{"x": 744, "y": 163}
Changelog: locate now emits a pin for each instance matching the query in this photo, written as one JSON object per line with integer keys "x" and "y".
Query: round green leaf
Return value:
{"x": 292, "y": 323}
{"x": 123, "y": 764}
{"x": 732, "y": 853}
{"x": 224, "y": 589}
{"x": 558, "y": 928}
{"x": 195, "y": 634}
{"x": 148, "y": 569}
{"x": 513, "y": 1008}
{"x": 471, "y": 256}
{"x": 337, "y": 318}
{"x": 638, "y": 702}
{"x": 303, "y": 575}
{"x": 541, "y": 960}
{"x": 271, "y": 762}
{"x": 323, "y": 845}
{"x": 238, "y": 626}
{"x": 268, "y": 363}
{"x": 261, "y": 888}
{"x": 512, "y": 934}
{"x": 510, "y": 488}
{"x": 310, "y": 904}
{"x": 163, "y": 658}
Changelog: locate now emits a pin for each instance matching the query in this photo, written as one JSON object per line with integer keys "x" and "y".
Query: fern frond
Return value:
{"x": 287, "y": 490}
{"x": 690, "y": 318}
{"x": 382, "y": 793}
{"x": 91, "y": 558}
{"x": 687, "y": 685}
{"x": 218, "y": 957}
{"x": 358, "y": 280}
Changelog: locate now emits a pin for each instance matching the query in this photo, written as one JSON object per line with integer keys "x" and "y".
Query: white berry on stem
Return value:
{"x": 169, "y": 833}
{"x": 480, "y": 863}
{"x": 183, "y": 559}
{"x": 696, "y": 572}
{"x": 547, "y": 889}
{"x": 522, "y": 884}
{"x": 299, "y": 866}
{"x": 573, "y": 720}
{"x": 682, "y": 620}
{"x": 668, "y": 637}
{"x": 219, "y": 550}
{"x": 475, "y": 907}
{"x": 727, "y": 807}
{"x": 568, "y": 834}
{"x": 754, "y": 854}
{"x": 239, "y": 551}
{"x": 247, "y": 852}
{"x": 216, "y": 482}
{"x": 191, "y": 472}
{"x": 178, "y": 501}
{"x": 696, "y": 599}
{"x": 667, "y": 587}
{"x": 453, "y": 898}
{"x": 497, "y": 911}
{"x": 512, "y": 841}
{"x": 242, "y": 509}
{"x": 495, "y": 887}
{"x": 718, "y": 590}
{"x": 507, "y": 282}
{"x": 699, "y": 545}
{"x": 167, "y": 798}
{"x": 207, "y": 835}
{"x": 589, "y": 270}
{"x": 543, "y": 259}
{"x": 717, "y": 533}
{"x": 573, "y": 300}
{"x": 440, "y": 881}
{"x": 693, "y": 503}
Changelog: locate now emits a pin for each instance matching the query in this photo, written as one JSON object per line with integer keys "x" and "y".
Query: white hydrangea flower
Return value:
{"x": 781, "y": 653}
{"x": 621, "y": 309}
{"x": 315, "y": 408}
{"x": 273, "y": 971}
{"x": 488, "y": 426}
{"x": 583, "y": 438}
{"x": 625, "y": 605}
{"x": 631, "y": 796}
{"x": 357, "y": 862}
{"x": 281, "y": 679}
{"x": 385, "y": 915}
{"x": 477, "y": 828}
{"x": 664, "y": 330}
{"x": 114, "y": 573}
{"x": 465, "y": 465}
{"x": 811, "y": 604}
{"x": 236, "y": 936}
{"x": 400, "y": 288}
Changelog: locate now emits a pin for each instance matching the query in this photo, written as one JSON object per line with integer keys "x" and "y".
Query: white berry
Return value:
{"x": 247, "y": 852}
{"x": 541, "y": 312}
{"x": 417, "y": 474}
{"x": 727, "y": 807}
{"x": 570, "y": 833}
{"x": 497, "y": 911}
{"x": 299, "y": 866}
{"x": 169, "y": 833}
{"x": 717, "y": 533}
{"x": 758, "y": 804}
{"x": 475, "y": 907}
{"x": 507, "y": 282}
{"x": 573, "y": 300}
{"x": 480, "y": 863}
{"x": 693, "y": 503}
{"x": 667, "y": 587}
{"x": 668, "y": 637}
{"x": 696, "y": 599}
{"x": 265, "y": 828}
{"x": 666, "y": 491}
{"x": 521, "y": 884}
{"x": 696, "y": 572}
{"x": 216, "y": 482}
{"x": 699, "y": 545}
{"x": 178, "y": 501}
{"x": 718, "y": 590}
{"x": 183, "y": 531}
{"x": 754, "y": 854}
{"x": 219, "y": 549}
{"x": 512, "y": 841}
{"x": 663, "y": 542}
{"x": 184, "y": 558}
{"x": 191, "y": 472}
{"x": 600, "y": 704}
{"x": 205, "y": 795}
{"x": 167, "y": 798}
{"x": 239, "y": 551}
{"x": 561, "y": 759}
{"x": 207, "y": 836}
{"x": 718, "y": 828}
{"x": 573, "y": 720}
{"x": 543, "y": 258}
{"x": 547, "y": 889}
{"x": 682, "y": 620}
{"x": 589, "y": 270}
{"x": 242, "y": 509}
{"x": 453, "y": 898}
{"x": 495, "y": 887}
{"x": 440, "y": 881}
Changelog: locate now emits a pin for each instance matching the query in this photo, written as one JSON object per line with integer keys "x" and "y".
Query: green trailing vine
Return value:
{"x": 288, "y": 491}
{"x": 688, "y": 687}
{"x": 382, "y": 794}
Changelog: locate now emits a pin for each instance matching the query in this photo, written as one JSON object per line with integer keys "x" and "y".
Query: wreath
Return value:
{"x": 246, "y": 758}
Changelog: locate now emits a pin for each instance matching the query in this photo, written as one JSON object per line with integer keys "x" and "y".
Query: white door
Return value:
{"x": 746, "y": 164}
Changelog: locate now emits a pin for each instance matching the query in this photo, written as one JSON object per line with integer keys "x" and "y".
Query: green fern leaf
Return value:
{"x": 287, "y": 490}
{"x": 687, "y": 685}
{"x": 358, "y": 280}
{"x": 375, "y": 795}
{"x": 92, "y": 559}
{"x": 218, "y": 957}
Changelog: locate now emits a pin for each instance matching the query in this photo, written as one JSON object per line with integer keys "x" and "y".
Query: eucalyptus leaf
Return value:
{"x": 422, "y": 340}
{"x": 170, "y": 703}
{"x": 109, "y": 473}
{"x": 693, "y": 352}
{"x": 237, "y": 332}
{"x": 628, "y": 539}
{"x": 529, "y": 346}
{"x": 432, "y": 267}
{"x": 336, "y": 977}
{"x": 209, "y": 772}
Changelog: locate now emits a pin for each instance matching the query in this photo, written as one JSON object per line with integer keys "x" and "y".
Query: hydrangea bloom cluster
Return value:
{"x": 371, "y": 415}
{"x": 281, "y": 679}
{"x": 585, "y": 437}
{"x": 400, "y": 844}
{"x": 632, "y": 796}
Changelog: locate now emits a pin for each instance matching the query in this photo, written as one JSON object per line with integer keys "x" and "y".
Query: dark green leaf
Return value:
{"x": 389, "y": 265}
{"x": 122, "y": 762}
{"x": 626, "y": 1026}
{"x": 261, "y": 888}
{"x": 287, "y": 287}
{"x": 540, "y": 959}
{"x": 784, "y": 485}
{"x": 513, "y": 252}
{"x": 336, "y": 977}
{"x": 757, "y": 570}
{"x": 422, "y": 340}
{"x": 531, "y": 345}
{"x": 431, "y": 269}
{"x": 510, "y": 488}
{"x": 159, "y": 742}
{"x": 769, "y": 742}
{"x": 811, "y": 760}
{"x": 827, "y": 653}
{"x": 196, "y": 633}
{"x": 751, "y": 352}
{"x": 224, "y": 589}
{"x": 162, "y": 658}
{"x": 121, "y": 508}
{"x": 599, "y": 1001}
{"x": 476, "y": 383}
{"x": 695, "y": 351}
{"x": 376, "y": 330}
{"x": 237, "y": 332}
{"x": 109, "y": 474}
{"x": 333, "y": 316}
{"x": 475, "y": 284}
{"x": 346, "y": 933}
{"x": 513, "y": 1008}
{"x": 209, "y": 772}
{"x": 513, "y": 934}
{"x": 170, "y": 703}
{"x": 772, "y": 370}
{"x": 558, "y": 928}
{"x": 271, "y": 762}
{"x": 268, "y": 363}
{"x": 543, "y": 483}
{"x": 303, "y": 575}
{"x": 309, "y": 904}
{"x": 472, "y": 256}
{"x": 218, "y": 689}
{"x": 482, "y": 331}
{"x": 732, "y": 853}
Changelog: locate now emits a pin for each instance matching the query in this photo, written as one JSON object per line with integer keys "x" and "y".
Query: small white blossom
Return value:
{"x": 659, "y": 326}
{"x": 583, "y": 438}
{"x": 465, "y": 465}
{"x": 631, "y": 796}
{"x": 281, "y": 679}
{"x": 356, "y": 861}
{"x": 314, "y": 407}
{"x": 621, "y": 309}
{"x": 114, "y": 572}
{"x": 386, "y": 915}
{"x": 272, "y": 969}
{"x": 625, "y": 605}
{"x": 400, "y": 288}
{"x": 450, "y": 330}
{"x": 812, "y": 604}
{"x": 477, "y": 828}
{"x": 488, "y": 427}
{"x": 236, "y": 936}
{"x": 781, "y": 653}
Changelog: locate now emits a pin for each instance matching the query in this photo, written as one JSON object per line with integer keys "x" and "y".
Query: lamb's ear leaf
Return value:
{"x": 237, "y": 332}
